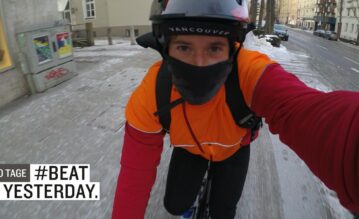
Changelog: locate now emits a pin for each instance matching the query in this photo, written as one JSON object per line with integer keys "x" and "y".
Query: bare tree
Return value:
{"x": 339, "y": 30}
{"x": 261, "y": 11}
{"x": 270, "y": 16}
{"x": 253, "y": 11}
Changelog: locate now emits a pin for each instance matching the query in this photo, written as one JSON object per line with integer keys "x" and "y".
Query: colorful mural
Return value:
{"x": 64, "y": 46}
{"x": 43, "y": 49}
{"x": 5, "y": 58}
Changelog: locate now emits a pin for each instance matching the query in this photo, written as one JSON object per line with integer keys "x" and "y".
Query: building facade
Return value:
{"x": 288, "y": 12}
{"x": 325, "y": 14}
{"x": 306, "y": 13}
{"x": 350, "y": 20}
{"x": 15, "y": 15}
{"x": 293, "y": 13}
{"x": 116, "y": 16}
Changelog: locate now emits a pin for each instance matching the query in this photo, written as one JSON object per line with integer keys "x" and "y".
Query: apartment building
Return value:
{"x": 283, "y": 11}
{"x": 350, "y": 20}
{"x": 293, "y": 12}
{"x": 306, "y": 13}
{"x": 325, "y": 16}
{"x": 288, "y": 12}
{"x": 118, "y": 16}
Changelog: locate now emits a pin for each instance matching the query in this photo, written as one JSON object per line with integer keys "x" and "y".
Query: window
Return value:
{"x": 346, "y": 27}
{"x": 352, "y": 30}
{"x": 89, "y": 9}
{"x": 67, "y": 13}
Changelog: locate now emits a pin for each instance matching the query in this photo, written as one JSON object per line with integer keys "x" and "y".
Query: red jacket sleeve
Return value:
{"x": 141, "y": 155}
{"x": 322, "y": 128}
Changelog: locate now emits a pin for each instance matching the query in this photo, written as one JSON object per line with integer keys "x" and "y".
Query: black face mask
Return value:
{"x": 198, "y": 85}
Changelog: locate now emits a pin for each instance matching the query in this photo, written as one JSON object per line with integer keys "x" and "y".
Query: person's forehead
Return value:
{"x": 196, "y": 39}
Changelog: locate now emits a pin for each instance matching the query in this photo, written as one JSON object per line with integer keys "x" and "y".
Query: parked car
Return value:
{"x": 281, "y": 31}
{"x": 304, "y": 28}
{"x": 330, "y": 35}
{"x": 319, "y": 32}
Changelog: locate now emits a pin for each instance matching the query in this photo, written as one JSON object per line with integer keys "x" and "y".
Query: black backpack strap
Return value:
{"x": 241, "y": 113}
{"x": 163, "y": 97}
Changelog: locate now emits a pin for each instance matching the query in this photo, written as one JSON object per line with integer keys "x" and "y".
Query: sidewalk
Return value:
{"x": 81, "y": 121}
{"x": 349, "y": 45}
{"x": 78, "y": 121}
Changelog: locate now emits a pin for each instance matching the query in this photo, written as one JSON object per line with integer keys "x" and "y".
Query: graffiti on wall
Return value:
{"x": 56, "y": 73}
{"x": 5, "y": 58}
{"x": 2, "y": 52}
{"x": 64, "y": 47}
{"x": 42, "y": 48}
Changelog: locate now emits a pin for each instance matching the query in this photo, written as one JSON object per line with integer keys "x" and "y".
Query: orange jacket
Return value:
{"x": 212, "y": 122}
{"x": 322, "y": 128}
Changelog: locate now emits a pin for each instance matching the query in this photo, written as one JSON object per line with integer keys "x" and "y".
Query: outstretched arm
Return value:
{"x": 141, "y": 155}
{"x": 322, "y": 128}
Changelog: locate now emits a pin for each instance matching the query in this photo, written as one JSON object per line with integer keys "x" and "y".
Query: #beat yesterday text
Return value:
{"x": 52, "y": 182}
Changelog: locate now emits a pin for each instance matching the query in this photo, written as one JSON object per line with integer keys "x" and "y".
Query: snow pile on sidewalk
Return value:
{"x": 297, "y": 63}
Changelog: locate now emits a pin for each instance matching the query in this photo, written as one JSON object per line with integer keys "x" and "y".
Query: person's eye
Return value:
{"x": 182, "y": 48}
{"x": 215, "y": 49}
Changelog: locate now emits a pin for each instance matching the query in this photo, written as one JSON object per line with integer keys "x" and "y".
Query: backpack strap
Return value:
{"x": 241, "y": 113}
{"x": 163, "y": 97}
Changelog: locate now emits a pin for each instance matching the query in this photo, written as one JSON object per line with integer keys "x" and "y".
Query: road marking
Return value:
{"x": 356, "y": 70}
{"x": 351, "y": 60}
{"x": 323, "y": 47}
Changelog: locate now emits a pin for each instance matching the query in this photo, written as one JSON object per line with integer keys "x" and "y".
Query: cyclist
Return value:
{"x": 200, "y": 40}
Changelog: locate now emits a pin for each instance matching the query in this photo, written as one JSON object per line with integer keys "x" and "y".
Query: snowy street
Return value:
{"x": 81, "y": 121}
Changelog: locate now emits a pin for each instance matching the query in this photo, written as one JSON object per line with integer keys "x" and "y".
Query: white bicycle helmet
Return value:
{"x": 227, "y": 18}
